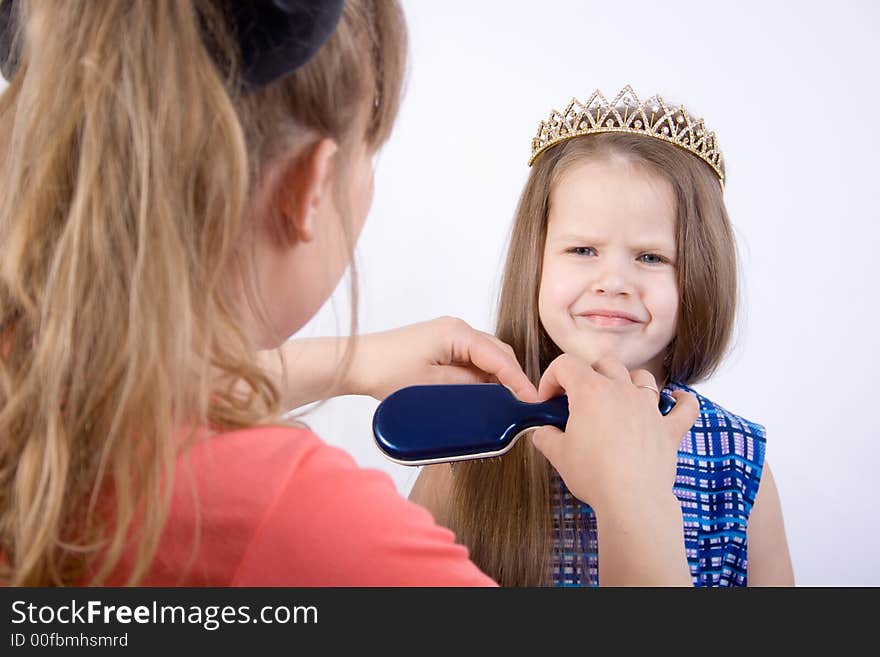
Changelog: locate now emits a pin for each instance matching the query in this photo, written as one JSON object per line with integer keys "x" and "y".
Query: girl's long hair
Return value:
{"x": 127, "y": 161}
{"x": 501, "y": 508}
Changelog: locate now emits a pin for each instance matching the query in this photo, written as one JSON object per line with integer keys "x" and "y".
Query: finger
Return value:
{"x": 504, "y": 346}
{"x": 682, "y": 417}
{"x": 612, "y": 368}
{"x": 478, "y": 349}
{"x": 644, "y": 380}
{"x": 560, "y": 376}
{"x": 547, "y": 440}
{"x": 460, "y": 374}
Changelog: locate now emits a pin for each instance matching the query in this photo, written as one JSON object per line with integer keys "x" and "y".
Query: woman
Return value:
{"x": 184, "y": 182}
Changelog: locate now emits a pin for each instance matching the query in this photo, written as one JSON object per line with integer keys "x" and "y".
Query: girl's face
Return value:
{"x": 608, "y": 282}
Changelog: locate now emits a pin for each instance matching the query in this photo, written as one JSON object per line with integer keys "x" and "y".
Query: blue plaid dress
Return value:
{"x": 719, "y": 469}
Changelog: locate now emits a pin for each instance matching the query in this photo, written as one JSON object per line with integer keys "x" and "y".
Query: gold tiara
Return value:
{"x": 626, "y": 113}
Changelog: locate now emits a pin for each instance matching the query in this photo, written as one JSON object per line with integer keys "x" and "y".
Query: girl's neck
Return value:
{"x": 658, "y": 369}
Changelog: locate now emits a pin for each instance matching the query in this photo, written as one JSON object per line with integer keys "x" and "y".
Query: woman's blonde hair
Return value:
{"x": 501, "y": 508}
{"x": 127, "y": 164}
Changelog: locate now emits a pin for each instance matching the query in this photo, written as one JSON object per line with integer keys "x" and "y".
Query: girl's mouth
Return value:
{"x": 610, "y": 319}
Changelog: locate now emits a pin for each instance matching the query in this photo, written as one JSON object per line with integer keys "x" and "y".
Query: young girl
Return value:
{"x": 621, "y": 245}
{"x": 182, "y": 186}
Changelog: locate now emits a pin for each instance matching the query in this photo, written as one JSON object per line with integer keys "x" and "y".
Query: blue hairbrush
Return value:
{"x": 420, "y": 425}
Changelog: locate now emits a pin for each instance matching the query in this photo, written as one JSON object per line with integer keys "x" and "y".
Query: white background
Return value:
{"x": 791, "y": 90}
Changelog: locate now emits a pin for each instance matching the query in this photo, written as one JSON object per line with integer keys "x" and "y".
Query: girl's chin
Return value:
{"x": 593, "y": 355}
{"x": 609, "y": 345}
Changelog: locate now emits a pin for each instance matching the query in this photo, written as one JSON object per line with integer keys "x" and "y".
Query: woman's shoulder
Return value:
{"x": 268, "y": 457}
{"x": 246, "y": 466}
{"x": 224, "y": 483}
{"x": 311, "y": 516}
{"x": 259, "y": 468}
{"x": 266, "y": 448}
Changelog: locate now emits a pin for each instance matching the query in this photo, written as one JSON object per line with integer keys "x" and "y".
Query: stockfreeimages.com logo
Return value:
{"x": 210, "y": 617}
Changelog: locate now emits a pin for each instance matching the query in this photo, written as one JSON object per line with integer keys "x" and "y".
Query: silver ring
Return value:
{"x": 656, "y": 392}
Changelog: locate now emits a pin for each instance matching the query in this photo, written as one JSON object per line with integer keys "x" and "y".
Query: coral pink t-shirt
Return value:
{"x": 279, "y": 507}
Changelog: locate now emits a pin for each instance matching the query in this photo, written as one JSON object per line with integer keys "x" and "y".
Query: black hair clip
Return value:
{"x": 275, "y": 37}
{"x": 9, "y": 53}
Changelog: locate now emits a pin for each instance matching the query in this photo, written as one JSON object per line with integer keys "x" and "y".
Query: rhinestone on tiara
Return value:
{"x": 626, "y": 113}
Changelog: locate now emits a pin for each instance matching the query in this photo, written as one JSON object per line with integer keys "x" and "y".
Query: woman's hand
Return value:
{"x": 443, "y": 350}
{"x": 618, "y": 454}
{"x": 616, "y": 442}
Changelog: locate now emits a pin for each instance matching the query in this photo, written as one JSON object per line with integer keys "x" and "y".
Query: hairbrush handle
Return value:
{"x": 420, "y": 425}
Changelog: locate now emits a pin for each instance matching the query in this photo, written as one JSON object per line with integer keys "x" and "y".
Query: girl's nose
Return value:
{"x": 611, "y": 280}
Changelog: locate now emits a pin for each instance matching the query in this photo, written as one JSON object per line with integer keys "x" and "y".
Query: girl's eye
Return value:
{"x": 651, "y": 259}
{"x": 582, "y": 250}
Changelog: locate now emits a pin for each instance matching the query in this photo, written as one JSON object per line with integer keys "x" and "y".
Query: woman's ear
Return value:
{"x": 301, "y": 185}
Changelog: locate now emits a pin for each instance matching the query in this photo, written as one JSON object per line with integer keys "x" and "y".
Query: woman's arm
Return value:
{"x": 769, "y": 560}
{"x": 443, "y": 350}
{"x": 618, "y": 454}
{"x": 307, "y": 369}
{"x": 641, "y": 542}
